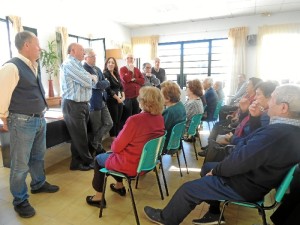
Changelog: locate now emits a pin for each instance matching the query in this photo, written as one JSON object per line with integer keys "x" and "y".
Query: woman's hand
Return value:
{"x": 255, "y": 109}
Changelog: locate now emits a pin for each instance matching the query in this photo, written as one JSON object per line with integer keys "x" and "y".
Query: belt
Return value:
{"x": 40, "y": 115}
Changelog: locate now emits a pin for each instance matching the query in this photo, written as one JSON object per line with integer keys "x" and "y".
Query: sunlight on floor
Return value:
{"x": 174, "y": 168}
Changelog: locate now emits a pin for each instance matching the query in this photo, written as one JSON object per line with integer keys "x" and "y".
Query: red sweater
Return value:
{"x": 127, "y": 147}
{"x": 131, "y": 88}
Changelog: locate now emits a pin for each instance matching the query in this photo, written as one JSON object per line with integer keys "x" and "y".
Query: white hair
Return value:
{"x": 290, "y": 94}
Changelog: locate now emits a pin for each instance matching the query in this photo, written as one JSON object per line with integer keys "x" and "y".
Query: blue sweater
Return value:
{"x": 99, "y": 95}
{"x": 260, "y": 162}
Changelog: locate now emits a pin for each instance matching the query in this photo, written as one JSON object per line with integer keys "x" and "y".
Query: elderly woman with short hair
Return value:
{"x": 175, "y": 111}
{"x": 127, "y": 147}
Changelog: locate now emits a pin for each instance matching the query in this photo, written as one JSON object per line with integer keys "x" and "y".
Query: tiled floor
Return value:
{"x": 68, "y": 206}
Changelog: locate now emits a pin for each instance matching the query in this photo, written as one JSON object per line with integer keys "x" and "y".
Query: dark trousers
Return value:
{"x": 98, "y": 178}
{"x": 131, "y": 107}
{"x": 115, "y": 110}
{"x": 193, "y": 193}
{"x": 76, "y": 115}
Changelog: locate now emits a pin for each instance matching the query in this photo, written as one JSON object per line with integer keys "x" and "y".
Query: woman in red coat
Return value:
{"x": 128, "y": 146}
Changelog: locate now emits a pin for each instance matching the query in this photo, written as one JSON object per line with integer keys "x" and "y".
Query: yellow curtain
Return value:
{"x": 237, "y": 38}
{"x": 17, "y": 24}
{"x": 64, "y": 41}
{"x": 264, "y": 54}
{"x": 151, "y": 41}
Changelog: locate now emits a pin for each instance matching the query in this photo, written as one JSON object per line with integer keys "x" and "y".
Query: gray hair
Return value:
{"x": 22, "y": 37}
{"x": 290, "y": 94}
{"x": 87, "y": 51}
{"x": 209, "y": 81}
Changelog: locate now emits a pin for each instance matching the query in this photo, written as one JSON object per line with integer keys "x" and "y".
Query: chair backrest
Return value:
{"x": 195, "y": 121}
{"x": 281, "y": 190}
{"x": 217, "y": 110}
{"x": 176, "y": 135}
{"x": 151, "y": 151}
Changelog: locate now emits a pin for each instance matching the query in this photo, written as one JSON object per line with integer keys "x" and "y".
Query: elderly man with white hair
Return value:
{"x": 257, "y": 165}
{"x": 211, "y": 98}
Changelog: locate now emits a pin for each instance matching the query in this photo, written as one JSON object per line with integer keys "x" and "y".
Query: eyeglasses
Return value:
{"x": 148, "y": 67}
{"x": 91, "y": 56}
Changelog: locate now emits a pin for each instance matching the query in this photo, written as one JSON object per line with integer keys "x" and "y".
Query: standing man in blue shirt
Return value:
{"x": 100, "y": 118}
{"x": 22, "y": 107}
{"x": 76, "y": 85}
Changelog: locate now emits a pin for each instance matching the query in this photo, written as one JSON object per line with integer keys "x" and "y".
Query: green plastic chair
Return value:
{"x": 280, "y": 192}
{"x": 148, "y": 161}
{"x": 216, "y": 114}
{"x": 175, "y": 144}
{"x": 193, "y": 130}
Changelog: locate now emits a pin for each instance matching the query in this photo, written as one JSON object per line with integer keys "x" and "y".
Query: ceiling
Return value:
{"x": 141, "y": 13}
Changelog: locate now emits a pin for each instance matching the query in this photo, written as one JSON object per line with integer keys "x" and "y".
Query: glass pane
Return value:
{"x": 98, "y": 47}
{"x": 4, "y": 46}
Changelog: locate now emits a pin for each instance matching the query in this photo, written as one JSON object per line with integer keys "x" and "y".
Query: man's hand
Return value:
{"x": 209, "y": 173}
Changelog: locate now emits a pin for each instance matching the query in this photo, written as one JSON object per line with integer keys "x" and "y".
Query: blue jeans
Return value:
{"x": 27, "y": 151}
{"x": 193, "y": 193}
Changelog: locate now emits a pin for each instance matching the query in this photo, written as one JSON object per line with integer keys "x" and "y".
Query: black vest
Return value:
{"x": 29, "y": 95}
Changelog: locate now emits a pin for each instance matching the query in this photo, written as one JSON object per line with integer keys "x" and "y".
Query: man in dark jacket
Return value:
{"x": 100, "y": 118}
{"x": 257, "y": 165}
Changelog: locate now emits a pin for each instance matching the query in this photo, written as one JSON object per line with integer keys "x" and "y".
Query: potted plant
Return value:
{"x": 49, "y": 59}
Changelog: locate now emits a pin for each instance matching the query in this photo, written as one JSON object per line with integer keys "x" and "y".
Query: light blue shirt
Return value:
{"x": 76, "y": 82}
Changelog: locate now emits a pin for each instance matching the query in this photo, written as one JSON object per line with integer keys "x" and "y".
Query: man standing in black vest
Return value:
{"x": 22, "y": 107}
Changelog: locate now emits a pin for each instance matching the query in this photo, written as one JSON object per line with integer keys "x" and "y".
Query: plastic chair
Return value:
{"x": 280, "y": 192}
{"x": 148, "y": 162}
{"x": 216, "y": 114}
{"x": 175, "y": 144}
{"x": 193, "y": 130}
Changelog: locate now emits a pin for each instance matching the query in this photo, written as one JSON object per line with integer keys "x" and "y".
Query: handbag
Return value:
{"x": 217, "y": 152}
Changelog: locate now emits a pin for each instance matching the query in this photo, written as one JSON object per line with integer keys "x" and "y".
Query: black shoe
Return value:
{"x": 204, "y": 148}
{"x": 24, "y": 209}
{"x": 89, "y": 200}
{"x": 80, "y": 167}
{"x": 202, "y": 153}
{"x": 154, "y": 215}
{"x": 120, "y": 191}
{"x": 191, "y": 139}
{"x": 92, "y": 165}
{"x": 209, "y": 218}
{"x": 46, "y": 188}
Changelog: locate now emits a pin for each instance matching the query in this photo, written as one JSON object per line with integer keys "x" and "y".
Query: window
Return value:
{"x": 4, "y": 42}
{"x": 97, "y": 44}
{"x": 280, "y": 55}
{"x": 194, "y": 60}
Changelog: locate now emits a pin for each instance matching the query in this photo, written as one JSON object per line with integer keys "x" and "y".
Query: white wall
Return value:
{"x": 111, "y": 31}
{"x": 117, "y": 34}
{"x": 217, "y": 29}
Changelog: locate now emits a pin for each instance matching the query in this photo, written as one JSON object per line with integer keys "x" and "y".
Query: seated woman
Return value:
{"x": 257, "y": 117}
{"x": 175, "y": 111}
{"x": 193, "y": 105}
{"x": 128, "y": 145}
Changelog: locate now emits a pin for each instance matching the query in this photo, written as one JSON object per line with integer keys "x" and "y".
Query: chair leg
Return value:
{"x": 159, "y": 185}
{"x": 178, "y": 163}
{"x": 137, "y": 181}
{"x": 187, "y": 170}
{"x": 194, "y": 144}
{"x": 103, "y": 195}
{"x": 133, "y": 202}
{"x": 263, "y": 215}
{"x": 222, "y": 212}
{"x": 164, "y": 177}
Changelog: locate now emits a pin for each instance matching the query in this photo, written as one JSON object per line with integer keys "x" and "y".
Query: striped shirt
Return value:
{"x": 76, "y": 82}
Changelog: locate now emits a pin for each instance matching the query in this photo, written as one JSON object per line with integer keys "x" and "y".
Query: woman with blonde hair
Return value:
{"x": 127, "y": 147}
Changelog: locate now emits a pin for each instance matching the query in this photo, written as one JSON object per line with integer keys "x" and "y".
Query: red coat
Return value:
{"x": 128, "y": 146}
{"x": 131, "y": 88}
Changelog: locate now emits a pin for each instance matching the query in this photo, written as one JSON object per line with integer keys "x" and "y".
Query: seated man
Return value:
{"x": 257, "y": 165}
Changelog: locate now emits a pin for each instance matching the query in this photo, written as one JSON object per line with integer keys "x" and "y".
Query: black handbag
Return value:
{"x": 217, "y": 152}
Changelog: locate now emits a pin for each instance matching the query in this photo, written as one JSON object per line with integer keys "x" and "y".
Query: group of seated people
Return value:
{"x": 266, "y": 147}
